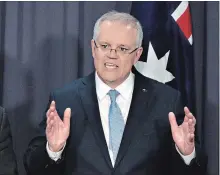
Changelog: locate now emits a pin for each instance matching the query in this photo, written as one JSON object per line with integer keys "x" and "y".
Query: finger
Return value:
{"x": 190, "y": 115}
{"x": 48, "y": 129}
{"x": 186, "y": 110}
{"x": 56, "y": 123}
{"x": 53, "y": 105}
{"x": 53, "y": 116}
{"x": 66, "y": 118}
{"x": 192, "y": 130}
{"x": 48, "y": 112}
{"x": 51, "y": 108}
{"x": 57, "y": 119}
{"x": 186, "y": 119}
{"x": 173, "y": 122}
{"x": 191, "y": 126}
{"x": 192, "y": 121}
{"x": 50, "y": 117}
{"x": 50, "y": 125}
{"x": 48, "y": 120}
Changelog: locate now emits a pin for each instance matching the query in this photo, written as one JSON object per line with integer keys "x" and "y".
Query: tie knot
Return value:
{"x": 113, "y": 95}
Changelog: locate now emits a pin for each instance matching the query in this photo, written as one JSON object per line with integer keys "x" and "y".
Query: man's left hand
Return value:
{"x": 183, "y": 135}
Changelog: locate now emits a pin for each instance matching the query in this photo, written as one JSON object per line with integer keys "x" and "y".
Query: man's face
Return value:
{"x": 113, "y": 67}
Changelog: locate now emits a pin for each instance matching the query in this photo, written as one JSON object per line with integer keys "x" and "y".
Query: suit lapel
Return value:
{"x": 91, "y": 108}
{"x": 139, "y": 110}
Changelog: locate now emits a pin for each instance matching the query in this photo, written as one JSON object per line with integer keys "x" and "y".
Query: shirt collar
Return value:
{"x": 125, "y": 89}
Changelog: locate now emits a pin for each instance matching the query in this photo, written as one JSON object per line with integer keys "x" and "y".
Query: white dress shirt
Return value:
{"x": 123, "y": 100}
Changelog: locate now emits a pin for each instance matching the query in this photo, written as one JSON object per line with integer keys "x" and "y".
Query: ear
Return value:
{"x": 93, "y": 48}
{"x": 138, "y": 54}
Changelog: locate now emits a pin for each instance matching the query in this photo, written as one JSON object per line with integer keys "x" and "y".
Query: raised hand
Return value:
{"x": 183, "y": 135}
{"x": 57, "y": 131}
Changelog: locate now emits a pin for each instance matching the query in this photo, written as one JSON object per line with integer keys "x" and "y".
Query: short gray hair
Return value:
{"x": 122, "y": 17}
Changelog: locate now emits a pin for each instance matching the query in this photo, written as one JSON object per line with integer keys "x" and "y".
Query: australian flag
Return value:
{"x": 168, "y": 41}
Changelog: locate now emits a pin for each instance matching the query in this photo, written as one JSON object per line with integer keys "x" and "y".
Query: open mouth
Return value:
{"x": 110, "y": 66}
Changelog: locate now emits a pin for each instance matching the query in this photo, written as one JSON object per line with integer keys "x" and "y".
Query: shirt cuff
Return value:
{"x": 54, "y": 155}
{"x": 187, "y": 159}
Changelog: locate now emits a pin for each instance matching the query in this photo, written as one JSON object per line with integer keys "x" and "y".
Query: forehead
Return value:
{"x": 115, "y": 32}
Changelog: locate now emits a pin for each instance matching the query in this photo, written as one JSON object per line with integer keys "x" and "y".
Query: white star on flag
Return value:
{"x": 155, "y": 68}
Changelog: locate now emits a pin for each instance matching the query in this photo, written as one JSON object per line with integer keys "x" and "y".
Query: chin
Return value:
{"x": 109, "y": 79}
{"x": 111, "y": 76}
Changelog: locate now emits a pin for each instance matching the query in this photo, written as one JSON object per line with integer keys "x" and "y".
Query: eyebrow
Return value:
{"x": 124, "y": 45}
{"x": 103, "y": 42}
{"x": 120, "y": 45}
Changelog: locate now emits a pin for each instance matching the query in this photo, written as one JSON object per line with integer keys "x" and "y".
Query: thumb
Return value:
{"x": 173, "y": 122}
{"x": 66, "y": 118}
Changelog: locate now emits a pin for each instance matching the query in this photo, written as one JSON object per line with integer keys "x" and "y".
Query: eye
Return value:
{"x": 104, "y": 46}
{"x": 123, "y": 49}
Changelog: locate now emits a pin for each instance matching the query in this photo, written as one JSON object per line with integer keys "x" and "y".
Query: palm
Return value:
{"x": 180, "y": 138}
{"x": 183, "y": 135}
{"x": 57, "y": 131}
{"x": 58, "y": 134}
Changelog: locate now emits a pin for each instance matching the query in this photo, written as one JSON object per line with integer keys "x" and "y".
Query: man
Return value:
{"x": 115, "y": 122}
{"x": 7, "y": 158}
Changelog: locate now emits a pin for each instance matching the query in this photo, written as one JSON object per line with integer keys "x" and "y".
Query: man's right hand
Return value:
{"x": 57, "y": 131}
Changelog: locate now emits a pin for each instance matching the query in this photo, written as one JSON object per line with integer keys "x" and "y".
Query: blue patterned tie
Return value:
{"x": 116, "y": 124}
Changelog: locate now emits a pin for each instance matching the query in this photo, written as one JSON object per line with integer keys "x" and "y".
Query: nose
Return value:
{"x": 113, "y": 54}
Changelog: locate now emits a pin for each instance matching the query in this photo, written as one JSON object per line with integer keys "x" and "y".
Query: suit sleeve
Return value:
{"x": 36, "y": 159}
{"x": 8, "y": 162}
{"x": 197, "y": 165}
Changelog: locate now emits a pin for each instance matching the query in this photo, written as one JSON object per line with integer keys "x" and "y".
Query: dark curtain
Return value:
{"x": 44, "y": 45}
{"x": 205, "y": 18}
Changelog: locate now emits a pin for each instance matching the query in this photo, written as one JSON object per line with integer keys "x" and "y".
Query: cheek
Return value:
{"x": 126, "y": 66}
{"x": 98, "y": 61}
{"x": 99, "y": 65}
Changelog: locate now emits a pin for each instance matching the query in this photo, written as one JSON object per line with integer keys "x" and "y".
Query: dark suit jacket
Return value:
{"x": 147, "y": 147}
{"x": 7, "y": 158}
